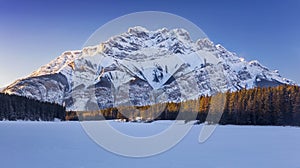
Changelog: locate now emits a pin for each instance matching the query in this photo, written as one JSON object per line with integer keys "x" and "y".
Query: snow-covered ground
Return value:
{"x": 65, "y": 144}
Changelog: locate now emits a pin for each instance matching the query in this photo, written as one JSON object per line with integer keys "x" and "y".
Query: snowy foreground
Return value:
{"x": 65, "y": 144}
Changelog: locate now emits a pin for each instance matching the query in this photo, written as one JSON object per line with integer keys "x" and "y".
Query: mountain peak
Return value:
{"x": 137, "y": 29}
{"x": 149, "y": 61}
{"x": 138, "y": 38}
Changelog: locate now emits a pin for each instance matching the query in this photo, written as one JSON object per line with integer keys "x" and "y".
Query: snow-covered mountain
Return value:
{"x": 142, "y": 67}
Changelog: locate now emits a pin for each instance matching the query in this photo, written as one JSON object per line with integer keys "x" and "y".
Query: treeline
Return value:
{"x": 259, "y": 106}
{"x": 13, "y": 107}
{"x": 263, "y": 106}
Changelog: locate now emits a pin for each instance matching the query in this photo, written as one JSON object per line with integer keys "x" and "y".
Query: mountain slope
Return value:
{"x": 141, "y": 67}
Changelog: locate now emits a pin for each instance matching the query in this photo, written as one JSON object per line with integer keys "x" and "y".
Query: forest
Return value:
{"x": 13, "y": 107}
{"x": 259, "y": 106}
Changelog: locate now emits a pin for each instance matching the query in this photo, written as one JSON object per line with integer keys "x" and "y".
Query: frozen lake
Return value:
{"x": 65, "y": 144}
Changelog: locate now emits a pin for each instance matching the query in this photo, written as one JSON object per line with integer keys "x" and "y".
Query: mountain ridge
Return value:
{"x": 132, "y": 66}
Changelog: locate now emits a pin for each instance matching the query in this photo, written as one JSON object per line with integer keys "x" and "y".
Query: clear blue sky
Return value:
{"x": 32, "y": 33}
